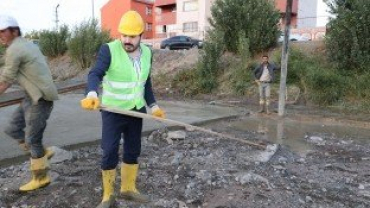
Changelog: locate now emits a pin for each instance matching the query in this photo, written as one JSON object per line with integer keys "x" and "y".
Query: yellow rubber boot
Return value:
{"x": 128, "y": 183}
{"x": 39, "y": 171}
{"x": 49, "y": 153}
{"x": 109, "y": 177}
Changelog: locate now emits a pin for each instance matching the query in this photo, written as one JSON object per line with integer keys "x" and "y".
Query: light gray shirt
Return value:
{"x": 25, "y": 64}
{"x": 265, "y": 77}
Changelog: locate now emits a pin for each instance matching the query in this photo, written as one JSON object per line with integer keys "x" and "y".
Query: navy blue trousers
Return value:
{"x": 114, "y": 127}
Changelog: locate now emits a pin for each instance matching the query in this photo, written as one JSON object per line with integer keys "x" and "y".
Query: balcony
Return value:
{"x": 159, "y": 3}
{"x": 167, "y": 18}
{"x": 281, "y": 6}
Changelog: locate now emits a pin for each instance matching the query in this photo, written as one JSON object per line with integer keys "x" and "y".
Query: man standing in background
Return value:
{"x": 264, "y": 75}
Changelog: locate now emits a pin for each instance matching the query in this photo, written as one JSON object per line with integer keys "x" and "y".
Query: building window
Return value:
{"x": 148, "y": 26}
{"x": 190, "y": 27}
{"x": 190, "y": 6}
{"x": 148, "y": 10}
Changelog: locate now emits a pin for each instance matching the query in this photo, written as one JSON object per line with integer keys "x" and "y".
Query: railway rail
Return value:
{"x": 15, "y": 97}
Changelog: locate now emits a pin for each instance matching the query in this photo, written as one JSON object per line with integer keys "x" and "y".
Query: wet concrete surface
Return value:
{"x": 69, "y": 125}
{"x": 293, "y": 132}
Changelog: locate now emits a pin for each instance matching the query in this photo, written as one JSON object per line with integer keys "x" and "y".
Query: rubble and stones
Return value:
{"x": 197, "y": 170}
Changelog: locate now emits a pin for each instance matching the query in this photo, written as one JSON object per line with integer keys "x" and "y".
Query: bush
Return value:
{"x": 256, "y": 19}
{"x": 325, "y": 86}
{"x": 347, "y": 39}
{"x": 53, "y": 43}
{"x": 33, "y": 35}
{"x": 186, "y": 82}
{"x": 208, "y": 65}
{"x": 241, "y": 77}
{"x": 85, "y": 42}
{"x": 319, "y": 82}
{"x": 358, "y": 85}
{"x": 203, "y": 78}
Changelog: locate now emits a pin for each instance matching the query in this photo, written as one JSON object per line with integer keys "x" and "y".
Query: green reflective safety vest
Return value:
{"x": 123, "y": 87}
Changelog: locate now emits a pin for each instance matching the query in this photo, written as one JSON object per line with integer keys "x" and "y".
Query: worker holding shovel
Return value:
{"x": 123, "y": 67}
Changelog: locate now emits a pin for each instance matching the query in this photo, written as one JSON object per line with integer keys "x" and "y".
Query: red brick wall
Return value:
{"x": 112, "y": 12}
{"x": 312, "y": 33}
{"x": 281, "y": 6}
{"x": 148, "y": 18}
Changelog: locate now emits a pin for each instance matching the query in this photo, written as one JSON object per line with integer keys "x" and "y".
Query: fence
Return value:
{"x": 316, "y": 33}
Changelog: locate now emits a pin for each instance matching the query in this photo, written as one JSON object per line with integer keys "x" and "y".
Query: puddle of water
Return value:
{"x": 292, "y": 133}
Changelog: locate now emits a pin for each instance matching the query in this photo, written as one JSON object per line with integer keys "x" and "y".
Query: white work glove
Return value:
{"x": 158, "y": 112}
{"x": 91, "y": 102}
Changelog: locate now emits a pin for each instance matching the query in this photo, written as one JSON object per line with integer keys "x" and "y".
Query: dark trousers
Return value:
{"x": 28, "y": 124}
{"x": 114, "y": 126}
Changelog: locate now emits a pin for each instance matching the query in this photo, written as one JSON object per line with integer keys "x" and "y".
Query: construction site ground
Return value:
{"x": 315, "y": 158}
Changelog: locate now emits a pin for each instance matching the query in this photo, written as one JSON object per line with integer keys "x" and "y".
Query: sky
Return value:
{"x": 41, "y": 14}
{"x": 323, "y": 13}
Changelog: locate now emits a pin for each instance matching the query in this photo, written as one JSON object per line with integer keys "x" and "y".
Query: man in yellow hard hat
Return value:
{"x": 26, "y": 65}
{"x": 123, "y": 67}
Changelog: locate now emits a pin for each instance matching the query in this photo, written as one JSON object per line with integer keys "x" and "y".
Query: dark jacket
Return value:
{"x": 259, "y": 69}
{"x": 98, "y": 71}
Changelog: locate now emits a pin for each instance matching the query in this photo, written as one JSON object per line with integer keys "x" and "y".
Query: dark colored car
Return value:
{"x": 181, "y": 42}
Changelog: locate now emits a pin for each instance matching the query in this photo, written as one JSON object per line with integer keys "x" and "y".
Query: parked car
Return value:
{"x": 294, "y": 37}
{"x": 181, "y": 42}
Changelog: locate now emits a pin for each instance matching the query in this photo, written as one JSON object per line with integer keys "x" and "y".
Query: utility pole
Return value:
{"x": 284, "y": 58}
{"x": 92, "y": 5}
{"x": 56, "y": 17}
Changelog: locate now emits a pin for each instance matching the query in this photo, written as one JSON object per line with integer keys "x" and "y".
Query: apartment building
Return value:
{"x": 167, "y": 18}
{"x": 187, "y": 17}
{"x": 281, "y": 6}
{"x": 312, "y": 13}
{"x": 113, "y": 10}
{"x": 190, "y": 17}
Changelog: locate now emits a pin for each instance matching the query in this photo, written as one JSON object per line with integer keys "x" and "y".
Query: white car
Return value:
{"x": 294, "y": 37}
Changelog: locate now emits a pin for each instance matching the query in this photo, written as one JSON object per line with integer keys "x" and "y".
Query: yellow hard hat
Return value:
{"x": 131, "y": 24}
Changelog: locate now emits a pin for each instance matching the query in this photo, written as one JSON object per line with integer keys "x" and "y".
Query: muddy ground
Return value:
{"x": 204, "y": 171}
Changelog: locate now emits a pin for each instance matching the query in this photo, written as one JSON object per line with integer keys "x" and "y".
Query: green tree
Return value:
{"x": 32, "y": 35}
{"x": 208, "y": 65}
{"x": 256, "y": 19}
{"x": 347, "y": 39}
{"x": 85, "y": 42}
{"x": 54, "y": 43}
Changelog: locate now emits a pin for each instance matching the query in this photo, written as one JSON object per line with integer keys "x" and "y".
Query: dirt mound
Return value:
{"x": 62, "y": 68}
{"x": 164, "y": 62}
{"x": 167, "y": 62}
